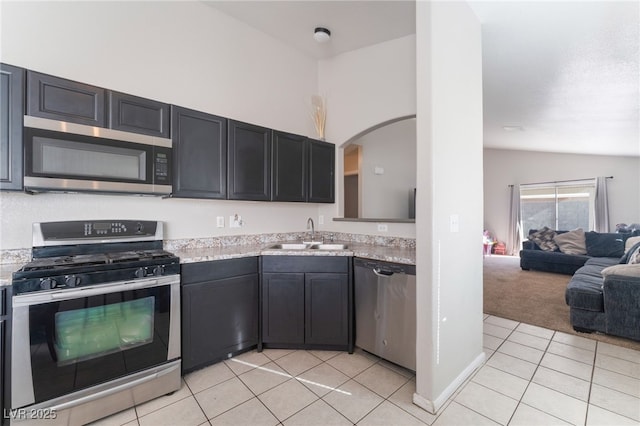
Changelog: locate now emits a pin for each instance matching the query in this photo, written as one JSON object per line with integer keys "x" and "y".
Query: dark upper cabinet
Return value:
{"x": 220, "y": 310}
{"x": 249, "y": 162}
{"x": 11, "y": 118}
{"x": 199, "y": 154}
{"x": 138, "y": 115}
{"x": 289, "y": 172}
{"x": 322, "y": 157}
{"x": 65, "y": 100}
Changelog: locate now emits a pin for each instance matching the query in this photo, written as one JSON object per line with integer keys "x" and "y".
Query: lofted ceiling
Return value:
{"x": 557, "y": 76}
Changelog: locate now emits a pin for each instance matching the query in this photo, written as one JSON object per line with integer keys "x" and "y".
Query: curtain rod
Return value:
{"x": 561, "y": 181}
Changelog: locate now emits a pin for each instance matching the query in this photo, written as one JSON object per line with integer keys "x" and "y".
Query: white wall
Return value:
{"x": 393, "y": 149}
{"x": 449, "y": 263}
{"x": 364, "y": 89}
{"x": 507, "y": 167}
{"x": 184, "y": 53}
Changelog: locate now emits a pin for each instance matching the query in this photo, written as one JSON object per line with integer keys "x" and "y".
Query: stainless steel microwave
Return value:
{"x": 68, "y": 157}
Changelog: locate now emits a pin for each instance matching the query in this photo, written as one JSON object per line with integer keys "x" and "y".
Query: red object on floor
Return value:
{"x": 500, "y": 248}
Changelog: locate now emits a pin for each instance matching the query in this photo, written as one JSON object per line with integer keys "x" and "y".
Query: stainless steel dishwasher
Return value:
{"x": 385, "y": 305}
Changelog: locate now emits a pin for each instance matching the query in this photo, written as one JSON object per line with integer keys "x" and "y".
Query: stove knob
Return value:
{"x": 158, "y": 270}
{"x": 48, "y": 283}
{"x": 140, "y": 273}
{"x": 72, "y": 280}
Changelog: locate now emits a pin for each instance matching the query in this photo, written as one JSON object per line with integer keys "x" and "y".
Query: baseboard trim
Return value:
{"x": 432, "y": 406}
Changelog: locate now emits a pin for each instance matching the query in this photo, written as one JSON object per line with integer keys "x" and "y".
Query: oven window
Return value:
{"x": 87, "y": 333}
{"x": 71, "y": 158}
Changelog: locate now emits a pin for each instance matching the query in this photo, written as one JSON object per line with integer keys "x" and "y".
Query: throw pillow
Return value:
{"x": 631, "y": 253}
{"x": 624, "y": 270}
{"x": 604, "y": 244}
{"x": 544, "y": 239}
{"x": 571, "y": 242}
{"x": 631, "y": 241}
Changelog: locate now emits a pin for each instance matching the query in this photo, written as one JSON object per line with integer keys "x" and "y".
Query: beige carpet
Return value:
{"x": 532, "y": 297}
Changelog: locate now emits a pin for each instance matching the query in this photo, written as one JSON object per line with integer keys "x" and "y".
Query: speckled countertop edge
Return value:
{"x": 389, "y": 249}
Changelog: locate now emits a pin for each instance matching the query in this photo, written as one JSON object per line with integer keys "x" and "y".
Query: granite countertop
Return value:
{"x": 362, "y": 250}
{"x": 369, "y": 251}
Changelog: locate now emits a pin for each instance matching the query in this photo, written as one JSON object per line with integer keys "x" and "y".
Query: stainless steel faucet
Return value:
{"x": 313, "y": 229}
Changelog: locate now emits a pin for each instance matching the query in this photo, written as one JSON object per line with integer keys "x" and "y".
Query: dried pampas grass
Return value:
{"x": 318, "y": 114}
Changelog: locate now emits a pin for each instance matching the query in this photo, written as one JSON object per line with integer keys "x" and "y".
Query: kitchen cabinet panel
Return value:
{"x": 11, "y": 122}
{"x": 326, "y": 309}
{"x": 289, "y": 180}
{"x": 199, "y": 154}
{"x": 65, "y": 100}
{"x": 321, "y": 172}
{"x": 249, "y": 162}
{"x": 283, "y": 308}
{"x": 307, "y": 302}
{"x": 220, "y": 310}
{"x": 138, "y": 115}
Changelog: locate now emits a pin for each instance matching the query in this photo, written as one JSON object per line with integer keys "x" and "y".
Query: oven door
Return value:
{"x": 68, "y": 340}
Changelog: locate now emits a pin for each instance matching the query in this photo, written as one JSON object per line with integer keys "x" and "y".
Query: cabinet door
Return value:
{"x": 138, "y": 115}
{"x": 327, "y": 309}
{"x": 199, "y": 154}
{"x": 220, "y": 317}
{"x": 289, "y": 180}
{"x": 65, "y": 100}
{"x": 11, "y": 118}
{"x": 249, "y": 167}
{"x": 283, "y": 308}
{"x": 321, "y": 171}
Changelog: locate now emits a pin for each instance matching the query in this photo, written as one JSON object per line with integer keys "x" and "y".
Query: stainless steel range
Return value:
{"x": 96, "y": 321}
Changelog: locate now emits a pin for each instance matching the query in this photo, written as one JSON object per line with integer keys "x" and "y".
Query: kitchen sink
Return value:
{"x": 329, "y": 246}
{"x": 307, "y": 246}
{"x": 290, "y": 246}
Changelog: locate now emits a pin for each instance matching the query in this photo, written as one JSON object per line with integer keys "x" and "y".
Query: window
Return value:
{"x": 562, "y": 206}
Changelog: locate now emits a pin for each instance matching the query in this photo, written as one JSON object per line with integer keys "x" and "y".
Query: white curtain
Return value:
{"x": 514, "y": 238}
{"x": 601, "y": 217}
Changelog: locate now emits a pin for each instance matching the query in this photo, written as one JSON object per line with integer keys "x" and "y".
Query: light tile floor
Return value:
{"x": 533, "y": 376}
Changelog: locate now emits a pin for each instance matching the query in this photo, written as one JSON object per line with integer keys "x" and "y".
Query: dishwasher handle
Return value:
{"x": 382, "y": 272}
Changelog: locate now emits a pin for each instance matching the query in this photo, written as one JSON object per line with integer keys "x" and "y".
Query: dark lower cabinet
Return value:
{"x": 220, "y": 310}
{"x": 11, "y": 119}
{"x": 326, "y": 304}
{"x": 65, "y": 100}
{"x": 322, "y": 157}
{"x": 307, "y": 302}
{"x": 199, "y": 154}
{"x": 139, "y": 115}
{"x": 249, "y": 162}
{"x": 283, "y": 300}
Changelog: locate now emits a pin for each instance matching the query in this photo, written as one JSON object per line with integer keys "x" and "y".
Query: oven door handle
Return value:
{"x": 107, "y": 392}
{"x": 104, "y": 288}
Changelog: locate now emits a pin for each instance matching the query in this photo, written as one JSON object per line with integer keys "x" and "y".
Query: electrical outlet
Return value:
{"x": 382, "y": 227}
{"x": 321, "y": 219}
{"x": 235, "y": 221}
{"x": 454, "y": 223}
{"x": 220, "y": 221}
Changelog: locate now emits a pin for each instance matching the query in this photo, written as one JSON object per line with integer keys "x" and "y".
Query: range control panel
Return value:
{"x": 76, "y": 230}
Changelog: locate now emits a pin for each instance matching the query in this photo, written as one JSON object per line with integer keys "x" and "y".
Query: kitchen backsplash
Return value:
{"x": 18, "y": 256}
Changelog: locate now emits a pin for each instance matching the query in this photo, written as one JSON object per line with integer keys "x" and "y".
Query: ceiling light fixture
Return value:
{"x": 513, "y": 128}
{"x": 321, "y": 34}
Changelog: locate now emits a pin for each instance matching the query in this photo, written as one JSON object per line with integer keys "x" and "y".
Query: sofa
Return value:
{"x": 604, "y": 296}
{"x": 604, "y": 292}
{"x": 545, "y": 251}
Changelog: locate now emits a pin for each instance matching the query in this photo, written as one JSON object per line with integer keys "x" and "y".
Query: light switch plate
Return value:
{"x": 382, "y": 227}
{"x": 454, "y": 223}
{"x": 220, "y": 221}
